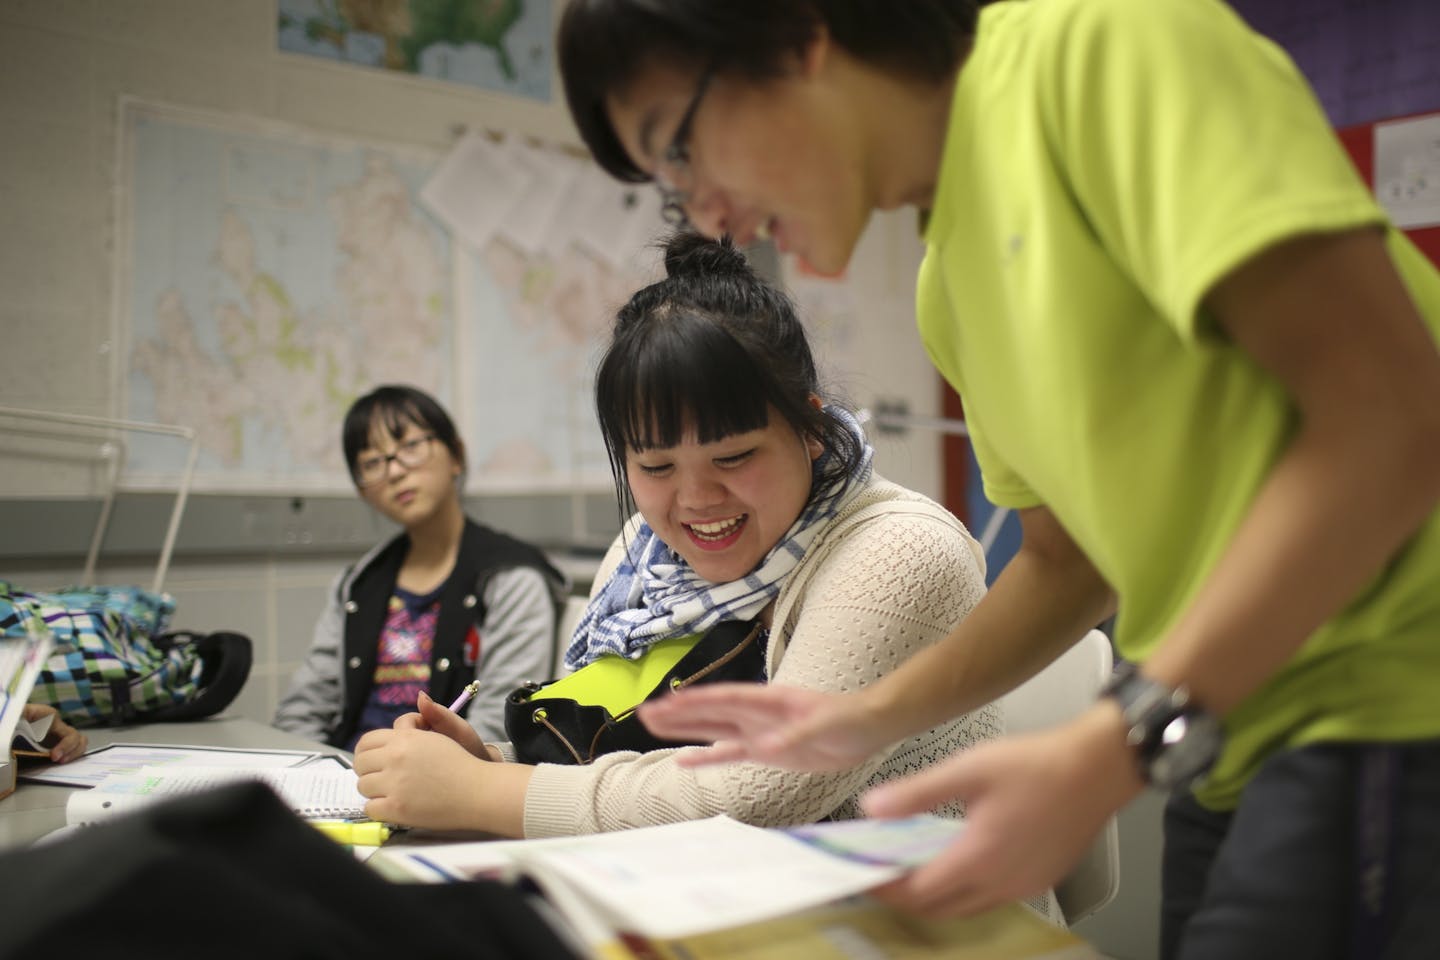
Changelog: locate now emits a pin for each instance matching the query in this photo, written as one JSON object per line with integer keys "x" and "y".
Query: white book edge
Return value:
{"x": 312, "y": 794}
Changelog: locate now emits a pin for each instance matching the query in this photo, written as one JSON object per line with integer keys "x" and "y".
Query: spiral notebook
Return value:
{"x": 314, "y": 793}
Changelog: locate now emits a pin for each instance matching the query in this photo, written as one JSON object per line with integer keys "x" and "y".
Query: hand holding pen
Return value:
{"x": 434, "y": 716}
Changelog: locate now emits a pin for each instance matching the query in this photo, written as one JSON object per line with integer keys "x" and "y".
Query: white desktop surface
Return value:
{"x": 35, "y": 809}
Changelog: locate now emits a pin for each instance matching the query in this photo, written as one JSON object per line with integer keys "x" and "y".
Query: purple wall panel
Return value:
{"x": 1367, "y": 59}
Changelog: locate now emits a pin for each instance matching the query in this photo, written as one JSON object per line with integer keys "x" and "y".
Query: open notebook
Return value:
{"x": 314, "y": 793}
{"x": 717, "y": 889}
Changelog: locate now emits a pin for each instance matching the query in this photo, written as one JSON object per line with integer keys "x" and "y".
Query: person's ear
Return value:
{"x": 812, "y": 442}
{"x": 457, "y": 459}
{"x": 816, "y": 55}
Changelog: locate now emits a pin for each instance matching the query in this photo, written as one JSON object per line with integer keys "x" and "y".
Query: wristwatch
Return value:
{"x": 1175, "y": 742}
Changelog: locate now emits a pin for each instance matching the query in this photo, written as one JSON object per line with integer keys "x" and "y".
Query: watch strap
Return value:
{"x": 1150, "y": 709}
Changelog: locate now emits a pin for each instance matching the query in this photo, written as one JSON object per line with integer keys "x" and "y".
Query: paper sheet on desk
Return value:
{"x": 122, "y": 759}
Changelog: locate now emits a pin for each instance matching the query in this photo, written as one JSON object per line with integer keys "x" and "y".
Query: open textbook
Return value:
{"x": 312, "y": 792}
{"x": 718, "y": 888}
{"x": 21, "y": 657}
{"x": 28, "y": 738}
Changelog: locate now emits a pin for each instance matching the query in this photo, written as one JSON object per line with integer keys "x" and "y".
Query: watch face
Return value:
{"x": 1189, "y": 745}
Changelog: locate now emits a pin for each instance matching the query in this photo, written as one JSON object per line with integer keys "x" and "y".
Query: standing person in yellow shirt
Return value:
{"x": 1197, "y": 359}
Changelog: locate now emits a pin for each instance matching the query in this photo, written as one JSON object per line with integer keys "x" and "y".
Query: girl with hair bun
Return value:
{"x": 755, "y": 500}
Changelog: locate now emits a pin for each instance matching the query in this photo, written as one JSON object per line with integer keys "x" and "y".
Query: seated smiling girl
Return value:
{"x": 756, "y": 501}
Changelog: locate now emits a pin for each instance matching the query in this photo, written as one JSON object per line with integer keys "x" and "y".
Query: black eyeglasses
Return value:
{"x": 673, "y": 174}
{"x": 410, "y": 454}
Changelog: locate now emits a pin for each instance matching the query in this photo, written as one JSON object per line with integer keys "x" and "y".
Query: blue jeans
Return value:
{"x": 1296, "y": 872}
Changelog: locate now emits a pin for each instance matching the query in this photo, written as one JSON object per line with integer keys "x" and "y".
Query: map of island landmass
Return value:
{"x": 428, "y": 37}
{"x": 284, "y": 371}
{"x": 275, "y": 274}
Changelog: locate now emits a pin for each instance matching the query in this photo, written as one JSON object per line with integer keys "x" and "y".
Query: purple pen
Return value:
{"x": 465, "y": 696}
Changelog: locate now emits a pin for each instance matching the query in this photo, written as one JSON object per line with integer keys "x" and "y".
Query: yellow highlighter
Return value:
{"x": 364, "y": 833}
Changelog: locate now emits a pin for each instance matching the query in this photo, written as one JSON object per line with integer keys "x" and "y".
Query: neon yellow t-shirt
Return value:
{"x": 1107, "y": 162}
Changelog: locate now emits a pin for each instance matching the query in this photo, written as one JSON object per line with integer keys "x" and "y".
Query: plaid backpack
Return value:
{"x": 114, "y": 662}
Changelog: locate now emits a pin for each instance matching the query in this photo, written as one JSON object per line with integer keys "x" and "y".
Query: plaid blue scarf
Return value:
{"x": 654, "y": 595}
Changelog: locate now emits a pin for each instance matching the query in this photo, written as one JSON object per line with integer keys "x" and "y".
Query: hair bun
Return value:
{"x": 689, "y": 253}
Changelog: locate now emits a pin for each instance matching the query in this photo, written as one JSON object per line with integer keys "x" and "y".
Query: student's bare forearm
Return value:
{"x": 1331, "y": 514}
{"x": 1328, "y": 316}
{"x": 1043, "y": 601}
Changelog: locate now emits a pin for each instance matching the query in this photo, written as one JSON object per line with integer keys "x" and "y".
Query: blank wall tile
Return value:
{"x": 139, "y": 572}
{"x": 61, "y": 244}
{"x": 181, "y": 79}
{"x": 45, "y": 75}
{"x": 47, "y": 162}
{"x": 257, "y": 700}
{"x": 40, "y": 579}
{"x": 207, "y": 571}
{"x": 310, "y": 571}
{"x": 75, "y": 17}
{"x": 64, "y": 369}
{"x": 243, "y": 610}
{"x": 297, "y": 608}
{"x": 220, "y": 28}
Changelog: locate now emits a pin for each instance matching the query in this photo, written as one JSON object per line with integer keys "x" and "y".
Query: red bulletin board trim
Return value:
{"x": 1359, "y": 142}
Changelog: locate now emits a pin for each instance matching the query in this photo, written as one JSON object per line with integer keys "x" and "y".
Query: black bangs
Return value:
{"x": 393, "y": 416}
{"x": 689, "y": 373}
{"x": 394, "y": 419}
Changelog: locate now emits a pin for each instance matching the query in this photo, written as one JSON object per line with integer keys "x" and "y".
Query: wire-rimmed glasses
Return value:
{"x": 673, "y": 174}
{"x": 410, "y": 454}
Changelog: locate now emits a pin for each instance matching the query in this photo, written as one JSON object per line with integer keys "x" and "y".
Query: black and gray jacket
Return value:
{"x": 503, "y": 586}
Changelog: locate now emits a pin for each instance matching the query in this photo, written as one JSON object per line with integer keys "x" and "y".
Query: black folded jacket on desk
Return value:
{"x": 233, "y": 873}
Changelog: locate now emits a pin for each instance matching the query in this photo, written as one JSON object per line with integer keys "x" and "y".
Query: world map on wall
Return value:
{"x": 274, "y": 276}
{"x": 495, "y": 44}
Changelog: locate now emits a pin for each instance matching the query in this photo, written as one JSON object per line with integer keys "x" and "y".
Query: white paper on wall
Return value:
{"x": 531, "y": 222}
{"x": 1407, "y": 170}
{"x": 600, "y": 210}
{"x": 475, "y": 189}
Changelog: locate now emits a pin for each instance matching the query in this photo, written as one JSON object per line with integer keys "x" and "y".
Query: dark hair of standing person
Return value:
{"x": 604, "y": 45}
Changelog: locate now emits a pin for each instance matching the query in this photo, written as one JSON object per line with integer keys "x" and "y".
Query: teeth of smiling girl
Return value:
{"x": 762, "y": 232}
{"x": 717, "y": 529}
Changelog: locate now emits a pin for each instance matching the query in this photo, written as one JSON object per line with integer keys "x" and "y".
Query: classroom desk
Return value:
{"x": 35, "y": 809}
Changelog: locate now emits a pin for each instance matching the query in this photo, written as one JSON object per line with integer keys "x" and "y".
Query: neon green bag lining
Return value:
{"x": 618, "y": 684}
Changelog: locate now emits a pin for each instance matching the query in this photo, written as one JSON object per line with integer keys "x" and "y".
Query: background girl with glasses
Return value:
{"x": 444, "y": 602}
